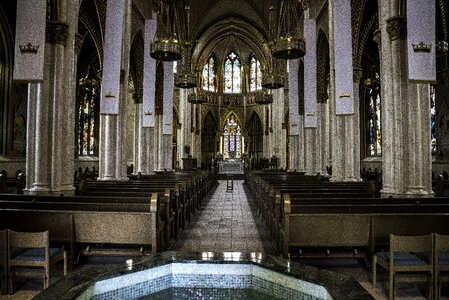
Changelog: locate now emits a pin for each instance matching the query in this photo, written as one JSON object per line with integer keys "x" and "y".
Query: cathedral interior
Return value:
{"x": 303, "y": 132}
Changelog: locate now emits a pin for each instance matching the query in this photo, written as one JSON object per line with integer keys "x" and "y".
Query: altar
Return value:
{"x": 230, "y": 167}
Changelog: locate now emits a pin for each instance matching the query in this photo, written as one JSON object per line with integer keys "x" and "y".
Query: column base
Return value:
{"x": 335, "y": 179}
{"x": 47, "y": 192}
{"x": 107, "y": 178}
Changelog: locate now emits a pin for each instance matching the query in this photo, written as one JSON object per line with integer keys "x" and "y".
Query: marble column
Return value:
{"x": 34, "y": 93}
{"x": 184, "y": 134}
{"x": 122, "y": 121}
{"x": 113, "y": 141}
{"x": 357, "y": 74}
{"x": 323, "y": 132}
{"x": 69, "y": 103}
{"x": 149, "y": 147}
{"x": 406, "y": 153}
{"x": 140, "y": 159}
{"x": 50, "y": 154}
{"x": 279, "y": 142}
{"x": 344, "y": 140}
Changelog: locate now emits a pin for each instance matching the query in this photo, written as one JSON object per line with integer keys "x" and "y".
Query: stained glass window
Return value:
{"x": 232, "y": 73}
{"x": 232, "y": 138}
{"x": 432, "y": 119}
{"x": 87, "y": 112}
{"x": 255, "y": 74}
{"x": 209, "y": 74}
{"x": 374, "y": 118}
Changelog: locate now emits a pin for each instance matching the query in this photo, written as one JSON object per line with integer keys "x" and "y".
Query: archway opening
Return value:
{"x": 232, "y": 139}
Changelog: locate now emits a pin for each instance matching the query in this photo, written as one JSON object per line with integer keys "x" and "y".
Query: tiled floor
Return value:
{"x": 224, "y": 223}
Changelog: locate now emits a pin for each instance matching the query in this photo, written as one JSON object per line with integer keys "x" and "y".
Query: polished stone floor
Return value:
{"x": 225, "y": 223}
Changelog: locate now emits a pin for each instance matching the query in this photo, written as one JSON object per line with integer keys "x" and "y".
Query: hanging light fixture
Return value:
{"x": 166, "y": 46}
{"x": 272, "y": 77}
{"x": 197, "y": 97}
{"x": 185, "y": 78}
{"x": 287, "y": 43}
{"x": 264, "y": 98}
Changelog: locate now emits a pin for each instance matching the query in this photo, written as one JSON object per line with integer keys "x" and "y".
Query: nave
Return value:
{"x": 227, "y": 222}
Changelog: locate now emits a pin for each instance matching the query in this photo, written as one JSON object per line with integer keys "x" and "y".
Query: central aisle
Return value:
{"x": 224, "y": 223}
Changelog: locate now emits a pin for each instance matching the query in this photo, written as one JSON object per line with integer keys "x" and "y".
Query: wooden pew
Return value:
{"x": 94, "y": 222}
{"x": 357, "y": 225}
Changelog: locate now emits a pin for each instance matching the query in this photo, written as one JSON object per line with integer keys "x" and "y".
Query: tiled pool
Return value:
{"x": 207, "y": 275}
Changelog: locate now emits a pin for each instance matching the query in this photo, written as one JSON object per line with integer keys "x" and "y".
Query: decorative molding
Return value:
{"x": 422, "y": 48}
{"x": 100, "y": 76}
{"x": 79, "y": 40}
{"x": 305, "y": 4}
{"x": 56, "y": 32}
{"x": 442, "y": 47}
{"x": 29, "y": 48}
{"x": 357, "y": 7}
{"x": 122, "y": 76}
{"x": 110, "y": 95}
{"x": 377, "y": 38}
{"x": 366, "y": 33}
{"x": 357, "y": 74}
{"x": 397, "y": 28}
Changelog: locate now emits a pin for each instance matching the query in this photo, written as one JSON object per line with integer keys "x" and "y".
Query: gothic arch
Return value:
{"x": 254, "y": 147}
{"x": 6, "y": 66}
{"x": 136, "y": 63}
{"x": 322, "y": 66}
{"x": 208, "y": 140}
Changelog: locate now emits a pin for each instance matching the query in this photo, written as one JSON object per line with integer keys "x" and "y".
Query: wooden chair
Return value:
{"x": 34, "y": 258}
{"x": 401, "y": 263}
{"x": 441, "y": 260}
{"x": 3, "y": 260}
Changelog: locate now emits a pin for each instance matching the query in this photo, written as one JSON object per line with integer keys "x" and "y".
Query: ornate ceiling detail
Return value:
{"x": 95, "y": 34}
{"x": 364, "y": 37}
{"x": 357, "y": 7}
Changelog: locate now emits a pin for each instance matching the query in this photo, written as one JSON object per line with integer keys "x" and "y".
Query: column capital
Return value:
{"x": 377, "y": 38}
{"x": 304, "y": 4}
{"x": 137, "y": 99}
{"x": 357, "y": 74}
{"x": 78, "y": 43}
{"x": 397, "y": 28}
{"x": 56, "y": 32}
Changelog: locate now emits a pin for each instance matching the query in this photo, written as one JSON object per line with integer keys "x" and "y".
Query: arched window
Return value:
{"x": 255, "y": 74}
{"x": 432, "y": 119}
{"x": 232, "y": 73}
{"x": 232, "y": 138}
{"x": 209, "y": 74}
{"x": 374, "y": 117}
{"x": 88, "y": 98}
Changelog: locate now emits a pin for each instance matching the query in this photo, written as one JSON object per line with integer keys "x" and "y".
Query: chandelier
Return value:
{"x": 287, "y": 43}
{"x": 184, "y": 78}
{"x": 166, "y": 46}
{"x": 274, "y": 77}
{"x": 197, "y": 97}
{"x": 264, "y": 98}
